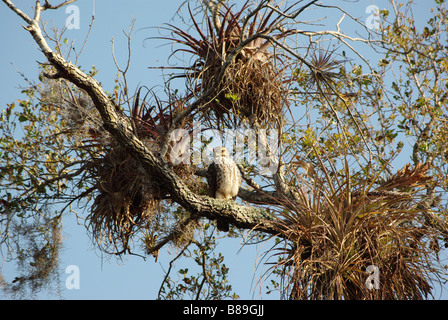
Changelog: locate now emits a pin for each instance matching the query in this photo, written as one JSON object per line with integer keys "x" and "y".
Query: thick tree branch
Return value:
{"x": 241, "y": 216}
{"x": 20, "y": 13}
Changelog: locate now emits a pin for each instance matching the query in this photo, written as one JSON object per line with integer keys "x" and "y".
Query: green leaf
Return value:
{"x": 233, "y": 97}
{"x": 23, "y": 118}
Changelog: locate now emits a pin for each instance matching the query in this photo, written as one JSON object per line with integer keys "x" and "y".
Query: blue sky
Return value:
{"x": 133, "y": 278}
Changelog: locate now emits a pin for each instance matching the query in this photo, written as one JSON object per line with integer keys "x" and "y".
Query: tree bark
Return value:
{"x": 115, "y": 123}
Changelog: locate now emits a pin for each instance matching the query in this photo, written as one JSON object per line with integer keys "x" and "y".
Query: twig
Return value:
{"x": 47, "y": 4}
{"x": 17, "y": 11}
{"x": 204, "y": 271}
{"x": 169, "y": 269}
{"x": 88, "y": 34}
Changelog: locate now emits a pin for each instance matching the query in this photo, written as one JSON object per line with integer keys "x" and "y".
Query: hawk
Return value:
{"x": 224, "y": 179}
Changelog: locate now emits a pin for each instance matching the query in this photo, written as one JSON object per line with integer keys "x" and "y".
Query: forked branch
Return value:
{"x": 121, "y": 130}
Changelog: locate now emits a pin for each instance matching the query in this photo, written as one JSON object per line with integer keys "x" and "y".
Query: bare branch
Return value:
{"x": 47, "y": 4}
{"x": 17, "y": 11}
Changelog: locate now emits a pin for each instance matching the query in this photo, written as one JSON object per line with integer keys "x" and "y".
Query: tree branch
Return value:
{"x": 155, "y": 167}
{"x": 214, "y": 6}
{"x": 17, "y": 11}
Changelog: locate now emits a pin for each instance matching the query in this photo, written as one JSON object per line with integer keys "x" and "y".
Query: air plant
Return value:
{"x": 231, "y": 58}
{"x": 323, "y": 67}
{"x": 125, "y": 201}
{"x": 337, "y": 227}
